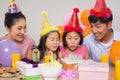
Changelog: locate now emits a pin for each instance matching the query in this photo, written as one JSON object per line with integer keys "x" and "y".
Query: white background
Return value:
{"x": 56, "y": 9}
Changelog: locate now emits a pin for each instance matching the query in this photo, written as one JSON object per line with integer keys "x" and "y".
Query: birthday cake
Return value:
{"x": 50, "y": 70}
{"x": 70, "y": 68}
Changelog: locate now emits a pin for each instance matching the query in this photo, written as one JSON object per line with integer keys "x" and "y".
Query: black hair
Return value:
{"x": 64, "y": 40}
{"x": 94, "y": 19}
{"x": 42, "y": 48}
{"x": 10, "y": 19}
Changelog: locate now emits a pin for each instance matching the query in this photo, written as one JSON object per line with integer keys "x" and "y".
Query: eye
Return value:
{"x": 98, "y": 26}
{"x": 52, "y": 39}
{"x": 69, "y": 38}
{"x": 76, "y": 38}
{"x": 19, "y": 28}
{"x": 91, "y": 26}
{"x": 25, "y": 27}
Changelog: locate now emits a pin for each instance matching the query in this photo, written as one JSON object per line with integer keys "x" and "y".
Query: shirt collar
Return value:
{"x": 115, "y": 35}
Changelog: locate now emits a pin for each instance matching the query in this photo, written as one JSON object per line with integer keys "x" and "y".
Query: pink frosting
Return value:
{"x": 68, "y": 74}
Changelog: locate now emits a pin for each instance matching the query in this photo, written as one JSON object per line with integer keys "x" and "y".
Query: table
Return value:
{"x": 111, "y": 75}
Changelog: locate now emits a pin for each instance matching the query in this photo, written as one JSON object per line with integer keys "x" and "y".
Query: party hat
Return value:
{"x": 46, "y": 25}
{"x": 13, "y": 8}
{"x": 73, "y": 24}
{"x": 100, "y": 9}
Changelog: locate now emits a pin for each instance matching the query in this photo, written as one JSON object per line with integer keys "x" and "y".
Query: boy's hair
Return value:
{"x": 94, "y": 19}
{"x": 10, "y": 19}
{"x": 42, "y": 46}
{"x": 64, "y": 40}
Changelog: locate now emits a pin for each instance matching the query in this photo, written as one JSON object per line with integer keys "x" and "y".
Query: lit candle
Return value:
{"x": 46, "y": 59}
{"x": 15, "y": 58}
{"x": 117, "y": 68}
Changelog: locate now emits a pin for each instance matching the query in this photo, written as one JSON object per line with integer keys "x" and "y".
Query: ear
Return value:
{"x": 110, "y": 25}
{"x": 7, "y": 29}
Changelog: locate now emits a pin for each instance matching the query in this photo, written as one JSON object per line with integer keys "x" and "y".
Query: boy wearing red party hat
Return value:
{"x": 103, "y": 36}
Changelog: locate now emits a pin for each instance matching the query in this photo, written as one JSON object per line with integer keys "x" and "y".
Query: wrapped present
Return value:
{"x": 90, "y": 70}
{"x": 28, "y": 67}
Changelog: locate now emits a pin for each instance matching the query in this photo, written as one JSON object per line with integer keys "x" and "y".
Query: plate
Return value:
{"x": 7, "y": 75}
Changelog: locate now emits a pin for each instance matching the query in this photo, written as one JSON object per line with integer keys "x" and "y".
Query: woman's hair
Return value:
{"x": 42, "y": 46}
{"x": 10, "y": 19}
{"x": 64, "y": 38}
{"x": 94, "y": 19}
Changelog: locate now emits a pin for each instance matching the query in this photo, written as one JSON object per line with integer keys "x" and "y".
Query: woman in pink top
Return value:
{"x": 15, "y": 24}
{"x": 72, "y": 39}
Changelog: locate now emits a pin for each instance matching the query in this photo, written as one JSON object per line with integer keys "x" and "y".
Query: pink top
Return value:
{"x": 25, "y": 46}
{"x": 81, "y": 51}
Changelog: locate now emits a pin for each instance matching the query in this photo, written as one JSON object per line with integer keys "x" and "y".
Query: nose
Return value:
{"x": 72, "y": 41}
{"x": 94, "y": 30}
{"x": 56, "y": 41}
{"x": 23, "y": 31}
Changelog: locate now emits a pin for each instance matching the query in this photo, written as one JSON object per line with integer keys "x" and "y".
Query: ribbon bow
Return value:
{"x": 35, "y": 64}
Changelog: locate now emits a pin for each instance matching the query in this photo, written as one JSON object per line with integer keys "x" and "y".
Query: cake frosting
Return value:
{"x": 51, "y": 70}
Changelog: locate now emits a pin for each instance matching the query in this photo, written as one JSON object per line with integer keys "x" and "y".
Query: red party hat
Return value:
{"x": 73, "y": 24}
{"x": 100, "y": 9}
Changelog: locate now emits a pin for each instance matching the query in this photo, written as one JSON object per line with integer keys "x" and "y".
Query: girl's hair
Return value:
{"x": 42, "y": 46}
{"x": 94, "y": 19}
{"x": 10, "y": 19}
{"x": 64, "y": 40}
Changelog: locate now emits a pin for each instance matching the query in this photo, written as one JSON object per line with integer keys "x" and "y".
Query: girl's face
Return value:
{"x": 17, "y": 31}
{"x": 52, "y": 41}
{"x": 72, "y": 40}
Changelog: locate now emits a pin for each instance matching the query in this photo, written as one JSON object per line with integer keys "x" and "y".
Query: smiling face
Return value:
{"x": 52, "y": 41}
{"x": 101, "y": 30}
{"x": 18, "y": 30}
{"x": 72, "y": 40}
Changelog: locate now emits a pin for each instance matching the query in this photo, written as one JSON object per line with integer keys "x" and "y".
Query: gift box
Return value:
{"x": 93, "y": 71}
{"x": 28, "y": 69}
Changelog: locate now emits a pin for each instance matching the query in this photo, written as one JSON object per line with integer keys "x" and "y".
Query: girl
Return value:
{"x": 73, "y": 39}
{"x": 72, "y": 48}
{"x": 15, "y": 24}
{"x": 50, "y": 39}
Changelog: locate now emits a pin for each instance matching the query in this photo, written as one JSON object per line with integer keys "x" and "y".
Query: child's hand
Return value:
{"x": 63, "y": 63}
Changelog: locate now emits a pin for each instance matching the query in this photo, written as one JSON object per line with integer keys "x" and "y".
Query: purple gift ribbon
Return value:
{"x": 35, "y": 64}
